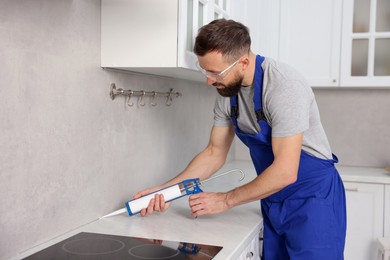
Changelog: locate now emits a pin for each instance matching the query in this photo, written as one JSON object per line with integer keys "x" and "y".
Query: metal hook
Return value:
{"x": 113, "y": 91}
{"x": 141, "y": 100}
{"x": 169, "y": 98}
{"x": 128, "y": 101}
{"x": 154, "y": 97}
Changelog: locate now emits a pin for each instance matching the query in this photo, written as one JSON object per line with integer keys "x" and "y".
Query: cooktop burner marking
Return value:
{"x": 93, "y": 246}
{"x": 153, "y": 251}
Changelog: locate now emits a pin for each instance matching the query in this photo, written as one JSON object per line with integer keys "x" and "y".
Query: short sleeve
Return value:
{"x": 222, "y": 112}
{"x": 289, "y": 108}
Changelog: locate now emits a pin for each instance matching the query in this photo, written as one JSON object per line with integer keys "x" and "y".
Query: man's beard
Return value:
{"x": 231, "y": 89}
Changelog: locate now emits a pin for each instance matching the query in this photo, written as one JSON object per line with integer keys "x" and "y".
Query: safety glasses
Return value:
{"x": 217, "y": 76}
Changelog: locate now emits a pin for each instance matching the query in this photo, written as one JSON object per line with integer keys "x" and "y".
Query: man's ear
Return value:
{"x": 245, "y": 63}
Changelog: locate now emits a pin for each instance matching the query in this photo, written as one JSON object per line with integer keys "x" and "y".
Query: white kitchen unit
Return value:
{"x": 331, "y": 42}
{"x": 366, "y": 43}
{"x": 262, "y": 19}
{"x": 366, "y": 210}
{"x": 364, "y": 219}
{"x": 251, "y": 252}
{"x": 155, "y": 37}
{"x": 387, "y": 211}
{"x": 236, "y": 230}
{"x": 302, "y": 33}
{"x": 324, "y": 41}
{"x": 310, "y": 39}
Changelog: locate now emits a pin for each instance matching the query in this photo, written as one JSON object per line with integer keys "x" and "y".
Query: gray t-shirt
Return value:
{"x": 289, "y": 106}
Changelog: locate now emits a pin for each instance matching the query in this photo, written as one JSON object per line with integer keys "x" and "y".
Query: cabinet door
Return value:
{"x": 365, "y": 57}
{"x": 310, "y": 39}
{"x": 220, "y": 9}
{"x": 156, "y": 37}
{"x": 139, "y": 33}
{"x": 387, "y": 210}
{"x": 262, "y": 19}
{"x": 252, "y": 251}
{"x": 364, "y": 219}
{"x": 193, "y": 15}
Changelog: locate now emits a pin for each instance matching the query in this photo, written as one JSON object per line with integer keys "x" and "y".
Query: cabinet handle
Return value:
{"x": 249, "y": 255}
{"x": 352, "y": 189}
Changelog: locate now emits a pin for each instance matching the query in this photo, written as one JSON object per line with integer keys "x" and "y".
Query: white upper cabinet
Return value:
{"x": 366, "y": 43}
{"x": 331, "y": 42}
{"x": 306, "y": 34}
{"x": 310, "y": 39}
{"x": 262, "y": 19}
{"x": 156, "y": 37}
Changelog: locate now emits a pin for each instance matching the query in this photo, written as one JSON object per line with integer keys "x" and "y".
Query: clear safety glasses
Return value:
{"x": 217, "y": 76}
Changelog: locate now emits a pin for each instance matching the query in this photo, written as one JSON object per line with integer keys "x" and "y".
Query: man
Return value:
{"x": 272, "y": 109}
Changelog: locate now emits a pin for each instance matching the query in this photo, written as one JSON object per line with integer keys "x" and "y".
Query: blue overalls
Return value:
{"x": 307, "y": 219}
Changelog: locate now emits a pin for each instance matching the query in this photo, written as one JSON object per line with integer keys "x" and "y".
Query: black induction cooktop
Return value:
{"x": 86, "y": 246}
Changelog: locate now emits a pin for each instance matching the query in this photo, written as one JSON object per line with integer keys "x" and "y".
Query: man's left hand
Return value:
{"x": 206, "y": 203}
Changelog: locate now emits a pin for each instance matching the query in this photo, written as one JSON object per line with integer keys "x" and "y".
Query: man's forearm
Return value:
{"x": 267, "y": 183}
{"x": 201, "y": 166}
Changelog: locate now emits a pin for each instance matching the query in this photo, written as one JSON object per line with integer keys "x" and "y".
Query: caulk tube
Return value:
{"x": 186, "y": 187}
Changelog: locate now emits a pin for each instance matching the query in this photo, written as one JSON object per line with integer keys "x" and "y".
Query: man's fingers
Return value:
{"x": 157, "y": 202}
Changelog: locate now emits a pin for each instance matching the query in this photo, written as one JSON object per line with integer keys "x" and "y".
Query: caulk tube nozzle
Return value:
{"x": 136, "y": 205}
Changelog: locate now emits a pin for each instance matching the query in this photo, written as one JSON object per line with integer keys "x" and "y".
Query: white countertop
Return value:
{"x": 364, "y": 174}
{"x": 233, "y": 230}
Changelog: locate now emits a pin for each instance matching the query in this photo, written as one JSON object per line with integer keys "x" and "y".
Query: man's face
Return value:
{"x": 220, "y": 74}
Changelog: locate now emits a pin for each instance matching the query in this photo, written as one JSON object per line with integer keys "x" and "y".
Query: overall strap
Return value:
{"x": 258, "y": 88}
{"x": 234, "y": 109}
{"x": 257, "y": 97}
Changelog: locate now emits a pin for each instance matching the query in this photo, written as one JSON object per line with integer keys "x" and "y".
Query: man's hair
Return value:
{"x": 228, "y": 37}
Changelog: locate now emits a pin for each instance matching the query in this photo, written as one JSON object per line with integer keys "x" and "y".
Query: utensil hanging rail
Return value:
{"x": 141, "y": 94}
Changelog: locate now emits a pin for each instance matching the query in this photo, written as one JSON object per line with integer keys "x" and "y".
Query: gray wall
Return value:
{"x": 357, "y": 122}
{"x": 69, "y": 154}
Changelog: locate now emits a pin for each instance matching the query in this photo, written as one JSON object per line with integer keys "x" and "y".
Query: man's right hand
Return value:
{"x": 156, "y": 204}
